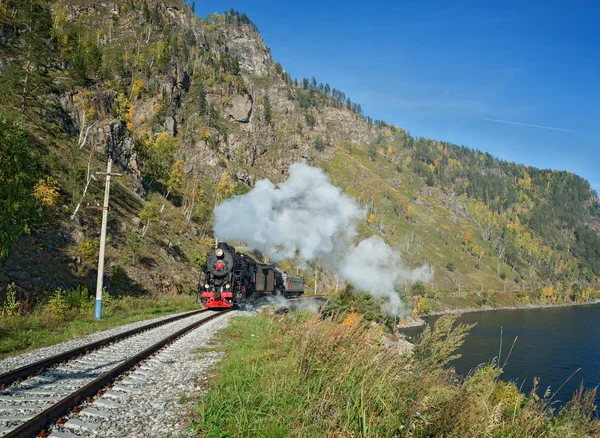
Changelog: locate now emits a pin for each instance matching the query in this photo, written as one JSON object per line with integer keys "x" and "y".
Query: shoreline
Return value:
{"x": 419, "y": 321}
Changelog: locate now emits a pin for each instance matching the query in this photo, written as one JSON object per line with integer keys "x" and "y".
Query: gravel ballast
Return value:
{"x": 146, "y": 403}
{"x": 11, "y": 363}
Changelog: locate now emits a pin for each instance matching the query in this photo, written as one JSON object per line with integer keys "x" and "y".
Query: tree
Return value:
{"x": 418, "y": 288}
{"x": 189, "y": 37}
{"x": 78, "y": 68}
{"x": 161, "y": 155}
{"x": 319, "y": 145}
{"x": 175, "y": 177}
{"x": 156, "y": 16}
{"x": 145, "y": 11}
{"x": 18, "y": 174}
{"x": 32, "y": 53}
{"x": 225, "y": 188}
{"x": 268, "y": 110}
{"x": 149, "y": 214}
{"x": 134, "y": 245}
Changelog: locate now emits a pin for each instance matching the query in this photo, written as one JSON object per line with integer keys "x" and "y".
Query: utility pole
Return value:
{"x": 316, "y": 272}
{"x": 104, "y": 208}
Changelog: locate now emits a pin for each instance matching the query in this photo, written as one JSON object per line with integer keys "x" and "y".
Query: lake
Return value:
{"x": 552, "y": 344}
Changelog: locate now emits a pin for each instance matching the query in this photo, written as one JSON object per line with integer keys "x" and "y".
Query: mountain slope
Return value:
{"x": 195, "y": 111}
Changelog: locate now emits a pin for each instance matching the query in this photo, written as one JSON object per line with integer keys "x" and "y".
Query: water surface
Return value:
{"x": 552, "y": 344}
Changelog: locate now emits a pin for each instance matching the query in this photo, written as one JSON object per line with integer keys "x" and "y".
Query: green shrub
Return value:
{"x": 78, "y": 298}
{"x": 418, "y": 288}
{"x": 88, "y": 249}
{"x": 11, "y": 306}
{"x": 57, "y": 304}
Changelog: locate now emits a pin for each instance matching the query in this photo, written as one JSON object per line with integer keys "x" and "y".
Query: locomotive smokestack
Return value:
{"x": 308, "y": 217}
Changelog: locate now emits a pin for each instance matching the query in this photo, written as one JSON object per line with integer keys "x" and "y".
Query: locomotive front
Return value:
{"x": 218, "y": 278}
{"x": 229, "y": 277}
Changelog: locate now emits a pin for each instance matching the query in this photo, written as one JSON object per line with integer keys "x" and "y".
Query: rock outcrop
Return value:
{"x": 121, "y": 147}
{"x": 246, "y": 45}
{"x": 240, "y": 109}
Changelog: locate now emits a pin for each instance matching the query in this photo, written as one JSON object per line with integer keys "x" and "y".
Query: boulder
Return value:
{"x": 137, "y": 222}
{"x": 240, "y": 109}
{"x": 171, "y": 126}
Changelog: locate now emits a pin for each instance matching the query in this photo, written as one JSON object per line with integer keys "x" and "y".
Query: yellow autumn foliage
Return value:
{"x": 129, "y": 116}
{"x": 351, "y": 319}
{"x": 225, "y": 187}
{"x": 548, "y": 294}
{"x": 46, "y": 191}
{"x": 175, "y": 176}
{"x": 137, "y": 89}
{"x": 204, "y": 133}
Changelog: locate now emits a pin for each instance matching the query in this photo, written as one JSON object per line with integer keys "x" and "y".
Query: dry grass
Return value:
{"x": 307, "y": 376}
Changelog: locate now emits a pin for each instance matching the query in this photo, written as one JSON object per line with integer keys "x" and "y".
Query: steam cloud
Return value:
{"x": 308, "y": 215}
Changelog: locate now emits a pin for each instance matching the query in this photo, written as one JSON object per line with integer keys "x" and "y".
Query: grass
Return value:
{"x": 40, "y": 327}
{"x": 305, "y": 376}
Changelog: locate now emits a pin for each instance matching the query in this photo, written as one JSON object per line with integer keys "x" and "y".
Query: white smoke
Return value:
{"x": 308, "y": 217}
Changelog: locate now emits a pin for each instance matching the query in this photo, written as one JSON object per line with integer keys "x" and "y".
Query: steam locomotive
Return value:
{"x": 231, "y": 278}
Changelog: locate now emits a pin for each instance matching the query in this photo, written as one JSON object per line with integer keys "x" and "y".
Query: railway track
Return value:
{"x": 44, "y": 391}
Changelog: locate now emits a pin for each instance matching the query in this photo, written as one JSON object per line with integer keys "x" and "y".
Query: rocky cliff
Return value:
{"x": 195, "y": 110}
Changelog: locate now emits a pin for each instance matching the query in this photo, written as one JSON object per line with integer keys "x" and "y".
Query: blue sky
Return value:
{"x": 454, "y": 70}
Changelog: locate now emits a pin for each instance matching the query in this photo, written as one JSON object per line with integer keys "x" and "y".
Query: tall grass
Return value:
{"x": 312, "y": 377}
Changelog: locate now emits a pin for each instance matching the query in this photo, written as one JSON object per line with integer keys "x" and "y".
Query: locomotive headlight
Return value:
{"x": 219, "y": 252}
{"x": 227, "y": 286}
{"x": 206, "y": 286}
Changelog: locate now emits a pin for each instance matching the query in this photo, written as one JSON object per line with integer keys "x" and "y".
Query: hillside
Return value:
{"x": 196, "y": 110}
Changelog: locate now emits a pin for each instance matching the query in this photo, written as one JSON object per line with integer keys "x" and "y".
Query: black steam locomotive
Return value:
{"x": 231, "y": 278}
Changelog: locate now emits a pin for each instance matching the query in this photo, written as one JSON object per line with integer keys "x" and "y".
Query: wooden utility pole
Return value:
{"x": 104, "y": 208}
{"x": 316, "y": 272}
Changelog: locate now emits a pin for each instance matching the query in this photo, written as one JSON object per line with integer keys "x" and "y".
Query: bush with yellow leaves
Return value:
{"x": 47, "y": 192}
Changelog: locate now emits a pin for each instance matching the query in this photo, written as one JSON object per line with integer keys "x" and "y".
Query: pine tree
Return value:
{"x": 32, "y": 51}
{"x": 155, "y": 16}
{"x": 268, "y": 111}
{"x": 146, "y": 11}
{"x": 319, "y": 145}
{"x": 18, "y": 173}
{"x": 77, "y": 69}
{"x": 202, "y": 104}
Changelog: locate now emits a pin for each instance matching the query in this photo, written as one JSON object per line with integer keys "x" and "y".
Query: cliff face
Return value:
{"x": 194, "y": 111}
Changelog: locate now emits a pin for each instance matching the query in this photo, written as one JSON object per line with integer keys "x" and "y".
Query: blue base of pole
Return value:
{"x": 98, "y": 313}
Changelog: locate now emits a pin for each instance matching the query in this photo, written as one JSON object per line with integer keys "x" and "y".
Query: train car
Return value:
{"x": 231, "y": 278}
{"x": 293, "y": 285}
